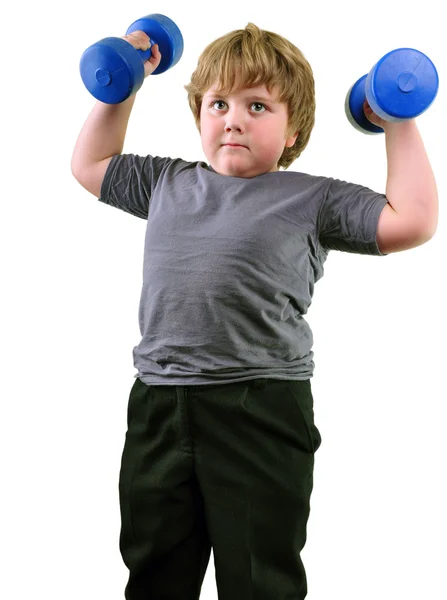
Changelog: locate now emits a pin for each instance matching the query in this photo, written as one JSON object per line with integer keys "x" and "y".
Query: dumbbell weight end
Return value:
{"x": 112, "y": 70}
{"x": 164, "y": 32}
{"x": 355, "y": 99}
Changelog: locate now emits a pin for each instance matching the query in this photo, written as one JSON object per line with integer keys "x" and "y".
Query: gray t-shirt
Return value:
{"x": 230, "y": 264}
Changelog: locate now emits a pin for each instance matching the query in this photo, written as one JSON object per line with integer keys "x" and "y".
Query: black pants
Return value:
{"x": 224, "y": 466}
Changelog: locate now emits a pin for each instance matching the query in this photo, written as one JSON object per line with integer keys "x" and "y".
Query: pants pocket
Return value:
{"x": 302, "y": 394}
{"x": 136, "y": 399}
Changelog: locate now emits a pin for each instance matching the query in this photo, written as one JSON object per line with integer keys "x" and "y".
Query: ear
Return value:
{"x": 291, "y": 140}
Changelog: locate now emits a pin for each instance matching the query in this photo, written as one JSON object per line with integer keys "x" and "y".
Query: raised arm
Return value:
{"x": 104, "y": 131}
{"x": 411, "y": 217}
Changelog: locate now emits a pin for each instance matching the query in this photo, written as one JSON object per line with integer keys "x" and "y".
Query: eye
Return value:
{"x": 258, "y": 104}
{"x": 216, "y": 102}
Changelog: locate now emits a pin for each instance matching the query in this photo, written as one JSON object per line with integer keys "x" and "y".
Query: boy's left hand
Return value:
{"x": 371, "y": 116}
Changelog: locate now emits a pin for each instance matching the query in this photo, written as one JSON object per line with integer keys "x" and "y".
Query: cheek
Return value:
{"x": 210, "y": 132}
{"x": 275, "y": 143}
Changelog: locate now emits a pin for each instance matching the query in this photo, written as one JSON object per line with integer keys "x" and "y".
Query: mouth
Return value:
{"x": 234, "y": 145}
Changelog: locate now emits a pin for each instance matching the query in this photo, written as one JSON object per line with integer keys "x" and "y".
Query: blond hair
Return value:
{"x": 259, "y": 57}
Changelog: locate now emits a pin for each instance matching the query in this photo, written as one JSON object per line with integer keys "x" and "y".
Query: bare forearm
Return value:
{"x": 103, "y": 133}
{"x": 411, "y": 187}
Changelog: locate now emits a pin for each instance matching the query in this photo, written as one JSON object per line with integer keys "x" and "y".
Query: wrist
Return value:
{"x": 390, "y": 127}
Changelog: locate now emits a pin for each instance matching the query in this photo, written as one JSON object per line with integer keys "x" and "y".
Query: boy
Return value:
{"x": 221, "y": 438}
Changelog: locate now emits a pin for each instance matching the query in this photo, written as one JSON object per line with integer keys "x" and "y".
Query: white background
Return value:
{"x": 71, "y": 280}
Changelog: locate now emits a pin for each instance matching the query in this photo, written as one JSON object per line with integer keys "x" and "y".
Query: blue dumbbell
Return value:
{"x": 112, "y": 69}
{"x": 402, "y": 85}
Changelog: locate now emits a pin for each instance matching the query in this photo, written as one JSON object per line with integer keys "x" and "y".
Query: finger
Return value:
{"x": 155, "y": 52}
{"x": 143, "y": 39}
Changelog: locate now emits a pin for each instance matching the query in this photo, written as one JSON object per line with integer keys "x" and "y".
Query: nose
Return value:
{"x": 234, "y": 120}
{"x": 232, "y": 126}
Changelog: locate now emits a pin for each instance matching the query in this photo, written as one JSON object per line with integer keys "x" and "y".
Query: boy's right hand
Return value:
{"x": 141, "y": 41}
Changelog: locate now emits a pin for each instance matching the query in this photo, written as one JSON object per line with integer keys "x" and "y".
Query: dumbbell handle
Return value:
{"x": 146, "y": 54}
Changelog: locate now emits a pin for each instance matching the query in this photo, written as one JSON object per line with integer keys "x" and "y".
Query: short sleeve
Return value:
{"x": 349, "y": 217}
{"x": 130, "y": 181}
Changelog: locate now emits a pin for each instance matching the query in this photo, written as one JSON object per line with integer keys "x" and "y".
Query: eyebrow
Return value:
{"x": 253, "y": 97}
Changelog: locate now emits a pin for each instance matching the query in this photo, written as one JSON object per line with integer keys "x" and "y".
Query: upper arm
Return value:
{"x": 396, "y": 233}
{"x": 91, "y": 177}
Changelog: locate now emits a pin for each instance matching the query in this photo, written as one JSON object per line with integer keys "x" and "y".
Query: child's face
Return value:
{"x": 253, "y": 118}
